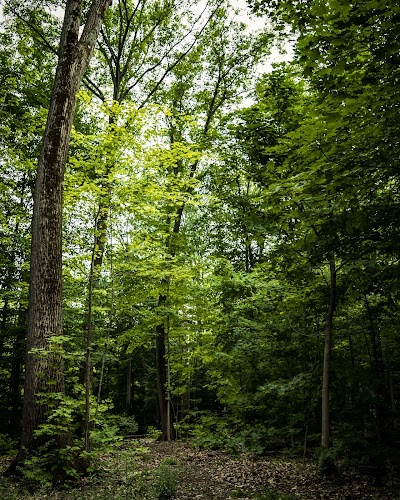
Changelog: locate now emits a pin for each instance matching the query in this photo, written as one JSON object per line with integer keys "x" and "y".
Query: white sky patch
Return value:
{"x": 255, "y": 25}
{"x": 260, "y": 23}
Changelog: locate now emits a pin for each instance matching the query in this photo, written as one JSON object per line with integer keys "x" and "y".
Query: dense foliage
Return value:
{"x": 220, "y": 248}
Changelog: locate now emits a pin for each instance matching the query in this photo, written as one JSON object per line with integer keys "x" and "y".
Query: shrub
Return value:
{"x": 167, "y": 480}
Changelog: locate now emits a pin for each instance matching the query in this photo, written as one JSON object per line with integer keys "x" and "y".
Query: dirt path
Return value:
{"x": 220, "y": 476}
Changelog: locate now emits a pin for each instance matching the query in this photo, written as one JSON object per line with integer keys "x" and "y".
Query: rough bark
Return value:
{"x": 44, "y": 368}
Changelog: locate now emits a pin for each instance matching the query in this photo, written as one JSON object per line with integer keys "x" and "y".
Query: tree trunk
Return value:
{"x": 16, "y": 374}
{"x": 161, "y": 360}
{"x": 3, "y": 325}
{"x": 44, "y": 371}
{"x": 129, "y": 388}
{"x": 164, "y": 402}
{"x": 381, "y": 389}
{"x": 88, "y": 358}
{"x": 325, "y": 429}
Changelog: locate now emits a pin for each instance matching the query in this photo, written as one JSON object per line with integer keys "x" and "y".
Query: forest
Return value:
{"x": 198, "y": 241}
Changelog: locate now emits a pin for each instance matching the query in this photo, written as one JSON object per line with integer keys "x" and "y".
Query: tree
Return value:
{"x": 24, "y": 94}
{"x": 178, "y": 55}
{"x": 44, "y": 366}
{"x": 349, "y": 52}
{"x": 141, "y": 44}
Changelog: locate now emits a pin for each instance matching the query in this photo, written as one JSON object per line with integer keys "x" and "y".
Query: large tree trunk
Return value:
{"x": 44, "y": 371}
{"x": 325, "y": 430}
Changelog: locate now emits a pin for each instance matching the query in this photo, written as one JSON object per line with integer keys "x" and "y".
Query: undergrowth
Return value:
{"x": 114, "y": 475}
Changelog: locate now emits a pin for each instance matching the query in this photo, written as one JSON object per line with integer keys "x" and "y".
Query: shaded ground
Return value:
{"x": 151, "y": 470}
{"x": 218, "y": 476}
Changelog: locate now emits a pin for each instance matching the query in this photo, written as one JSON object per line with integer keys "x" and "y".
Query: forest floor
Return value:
{"x": 154, "y": 470}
